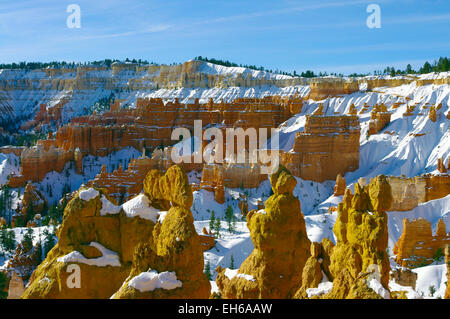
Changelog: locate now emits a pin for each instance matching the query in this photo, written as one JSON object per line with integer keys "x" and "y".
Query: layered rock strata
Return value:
{"x": 328, "y": 146}
{"x": 417, "y": 246}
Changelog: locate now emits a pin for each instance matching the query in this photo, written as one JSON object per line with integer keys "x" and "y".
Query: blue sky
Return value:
{"x": 329, "y": 35}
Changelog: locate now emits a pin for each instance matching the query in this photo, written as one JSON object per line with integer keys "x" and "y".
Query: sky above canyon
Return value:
{"x": 288, "y": 35}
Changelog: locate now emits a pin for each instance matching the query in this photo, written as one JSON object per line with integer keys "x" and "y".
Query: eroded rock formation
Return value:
{"x": 379, "y": 118}
{"x": 328, "y": 146}
{"x": 341, "y": 184}
{"x": 274, "y": 268}
{"x": 325, "y": 87}
{"x": 146, "y": 248}
{"x": 149, "y": 126}
{"x": 417, "y": 246}
{"x": 407, "y": 193}
{"x": 359, "y": 256}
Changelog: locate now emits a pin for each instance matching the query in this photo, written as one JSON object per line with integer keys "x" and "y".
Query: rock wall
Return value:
{"x": 407, "y": 193}
{"x": 126, "y": 251}
{"x": 379, "y": 118}
{"x": 274, "y": 268}
{"x": 417, "y": 246}
{"x": 149, "y": 126}
{"x": 328, "y": 146}
{"x": 326, "y": 87}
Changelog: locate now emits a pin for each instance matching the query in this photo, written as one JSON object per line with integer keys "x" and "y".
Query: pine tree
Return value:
{"x": 208, "y": 271}
{"x": 27, "y": 241}
{"x": 217, "y": 227}
{"x": 3, "y": 281}
{"x": 229, "y": 217}
{"x": 49, "y": 242}
{"x": 211, "y": 221}
{"x": 231, "y": 262}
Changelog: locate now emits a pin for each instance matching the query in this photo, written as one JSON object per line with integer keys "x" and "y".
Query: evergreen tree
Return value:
{"x": 217, "y": 227}
{"x": 3, "y": 281}
{"x": 208, "y": 271}
{"x": 229, "y": 217}
{"x": 49, "y": 242}
{"x": 27, "y": 241}
{"x": 7, "y": 240}
{"x": 211, "y": 221}
{"x": 231, "y": 262}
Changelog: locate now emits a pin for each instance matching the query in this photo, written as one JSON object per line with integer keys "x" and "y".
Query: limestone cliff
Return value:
{"x": 274, "y": 268}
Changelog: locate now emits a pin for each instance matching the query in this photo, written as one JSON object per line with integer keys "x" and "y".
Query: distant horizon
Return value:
{"x": 332, "y": 36}
{"x": 275, "y": 71}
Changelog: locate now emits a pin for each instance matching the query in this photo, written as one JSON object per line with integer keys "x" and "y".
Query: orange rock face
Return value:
{"x": 441, "y": 166}
{"x": 322, "y": 88}
{"x": 149, "y": 126}
{"x": 328, "y": 146}
{"x": 407, "y": 193}
{"x": 339, "y": 188}
{"x": 379, "y": 118}
{"x": 417, "y": 245}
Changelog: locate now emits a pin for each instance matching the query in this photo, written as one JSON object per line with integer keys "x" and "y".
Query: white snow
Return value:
{"x": 231, "y": 273}
{"x": 88, "y": 194}
{"x": 151, "y": 280}
{"x": 378, "y": 288}
{"x": 9, "y": 163}
{"x": 323, "y": 288}
{"x": 108, "y": 208}
{"x": 410, "y": 292}
{"x": 431, "y": 275}
{"x": 108, "y": 258}
{"x": 139, "y": 206}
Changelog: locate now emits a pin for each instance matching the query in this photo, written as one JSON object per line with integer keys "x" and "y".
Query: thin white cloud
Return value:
{"x": 150, "y": 29}
{"x": 288, "y": 10}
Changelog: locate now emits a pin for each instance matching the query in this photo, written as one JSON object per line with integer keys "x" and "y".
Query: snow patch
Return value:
{"x": 88, "y": 194}
{"x": 139, "y": 206}
{"x": 231, "y": 273}
{"x": 108, "y": 208}
{"x": 151, "y": 280}
{"x": 322, "y": 289}
{"x": 108, "y": 258}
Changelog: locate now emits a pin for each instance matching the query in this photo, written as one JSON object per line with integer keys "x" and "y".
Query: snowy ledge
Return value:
{"x": 88, "y": 194}
{"x": 231, "y": 273}
{"x": 140, "y": 206}
{"x": 322, "y": 289}
{"x": 151, "y": 280}
{"x": 108, "y": 258}
{"x": 108, "y": 208}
